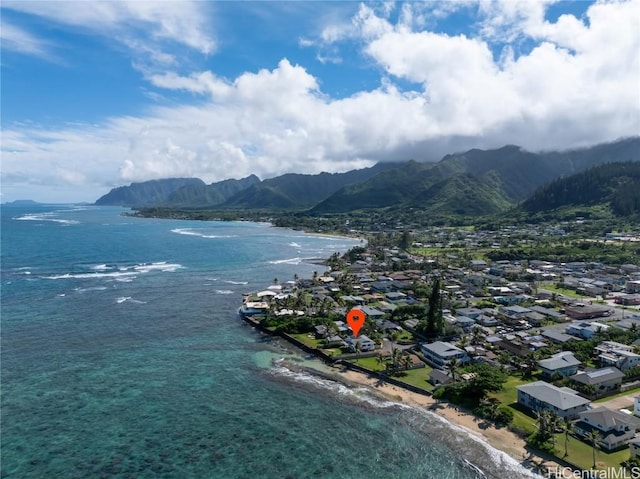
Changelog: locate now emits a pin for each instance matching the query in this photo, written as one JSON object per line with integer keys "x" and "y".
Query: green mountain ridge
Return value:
{"x": 615, "y": 185}
{"x": 147, "y": 193}
{"x": 299, "y": 191}
{"x": 473, "y": 183}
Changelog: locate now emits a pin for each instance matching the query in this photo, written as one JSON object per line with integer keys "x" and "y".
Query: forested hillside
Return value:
{"x": 616, "y": 185}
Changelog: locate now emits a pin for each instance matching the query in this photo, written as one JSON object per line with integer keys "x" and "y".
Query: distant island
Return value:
{"x": 21, "y": 203}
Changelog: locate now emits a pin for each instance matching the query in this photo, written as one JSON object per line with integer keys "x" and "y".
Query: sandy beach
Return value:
{"x": 499, "y": 438}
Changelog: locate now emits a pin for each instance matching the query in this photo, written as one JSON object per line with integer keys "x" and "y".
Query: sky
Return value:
{"x": 99, "y": 94}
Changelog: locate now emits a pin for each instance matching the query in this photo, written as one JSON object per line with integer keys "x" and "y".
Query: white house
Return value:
{"x": 616, "y": 429}
{"x": 539, "y": 396}
{"x": 366, "y": 343}
{"x": 441, "y": 353}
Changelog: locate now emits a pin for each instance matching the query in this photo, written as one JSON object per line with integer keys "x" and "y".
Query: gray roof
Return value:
{"x": 558, "y": 336}
{"x": 562, "y": 398}
{"x": 443, "y": 349}
{"x": 371, "y": 311}
{"x": 558, "y": 361}
{"x": 608, "y": 418}
{"x": 598, "y": 376}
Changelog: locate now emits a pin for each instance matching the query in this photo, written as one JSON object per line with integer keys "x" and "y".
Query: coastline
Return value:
{"x": 500, "y": 439}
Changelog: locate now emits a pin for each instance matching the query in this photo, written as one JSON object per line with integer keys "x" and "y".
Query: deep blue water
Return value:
{"x": 123, "y": 356}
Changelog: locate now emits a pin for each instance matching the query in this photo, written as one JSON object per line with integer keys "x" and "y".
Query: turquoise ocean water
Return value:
{"x": 123, "y": 356}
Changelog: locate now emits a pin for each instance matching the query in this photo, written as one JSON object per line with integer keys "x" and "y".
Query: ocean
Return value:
{"x": 122, "y": 356}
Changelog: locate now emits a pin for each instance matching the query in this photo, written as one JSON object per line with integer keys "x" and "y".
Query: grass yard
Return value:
{"x": 370, "y": 363}
{"x": 581, "y": 454}
{"x": 416, "y": 377}
{"x": 308, "y": 340}
{"x": 565, "y": 292}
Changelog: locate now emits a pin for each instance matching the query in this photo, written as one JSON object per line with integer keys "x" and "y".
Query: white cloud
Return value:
{"x": 19, "y": 40}
{"x": 141, "y": 25}
{"x": 577, "y": 86}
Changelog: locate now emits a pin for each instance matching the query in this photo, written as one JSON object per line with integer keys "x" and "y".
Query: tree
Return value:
{"x": 358, "y": 347}
{"x": 395, "y": 357}
{"x": 405, "y": 241}
{"x": 567, "y": 428}
{"x": 464, "y": 342}
{"x": 435, "y": 320}
{"x": 406, "y": 362}
{"x": 476, "y": 335}
{"x": 453, "y": 366}
{"x": 380, "y": 359}
{"x": 593, "y": 437}
{"x": 530, "y": 365}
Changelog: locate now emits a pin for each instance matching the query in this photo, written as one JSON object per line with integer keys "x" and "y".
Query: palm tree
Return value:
{"x": 453, "y": 368}
{"x": 395, "y": 357}
{"x": 379, "y": 359}
{"x": 358, "y": 348}
{"x": 407, "y": 362}
{"x": 464, "y": 342}
{"x": 530, "y": 365}
{"x": 593, "y": 437}
{"x": 476, "y": 334}
{"x": 567, "y": 428}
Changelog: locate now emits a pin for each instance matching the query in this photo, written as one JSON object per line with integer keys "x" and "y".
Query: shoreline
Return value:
{"x": 500, "y": 439}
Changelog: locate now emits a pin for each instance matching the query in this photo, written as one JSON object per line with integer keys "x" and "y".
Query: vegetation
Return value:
{"x": 617, "y": 184}
{"x": 476, "y": 187}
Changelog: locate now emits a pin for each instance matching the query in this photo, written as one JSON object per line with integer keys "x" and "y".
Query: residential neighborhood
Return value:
{"x": 566, "y": 336}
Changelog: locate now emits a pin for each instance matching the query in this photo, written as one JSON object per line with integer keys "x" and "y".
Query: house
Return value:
{"x": 603, "y": 380}
{"x": 558, "y": 337}
{"x": 438, "y": 377}
{"x": 465, "y": 323}
{"x": 366, "y": 343}
{"x": 552, "y": 314}
{"x": 586, "y": 330}
{"x": 371, "y": 312}
{"x": 633, "y": 286}
{"x": 634, "y": 447}
{"x": 477, "y": 264}
{"x": 616, "y": 428}
{"x": 584, "y": 311}
{"x": 441, "y": 353}
{"x": 563, "y": 363}
{"x": 539, "y": 396}
{"x": 514, "y": 346}
{"x": 621, "y": 356}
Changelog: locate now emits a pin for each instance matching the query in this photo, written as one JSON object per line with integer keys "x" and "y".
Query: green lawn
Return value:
{"x": 416, "y": 377}
{"x": 581, "y": 454}
{"x": 369, "y": 363}
{"x": 308, "y": 340}
{"x": 566, "y": 292}
{"x": 509, "y": 397}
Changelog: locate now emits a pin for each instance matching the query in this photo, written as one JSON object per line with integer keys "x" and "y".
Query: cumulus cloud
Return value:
{"x": 576, "y": 86}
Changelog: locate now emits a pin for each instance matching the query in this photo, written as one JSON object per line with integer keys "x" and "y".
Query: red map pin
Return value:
{"x": 355, "y": 320}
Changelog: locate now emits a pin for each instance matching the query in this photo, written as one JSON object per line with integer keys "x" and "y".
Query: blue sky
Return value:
{"x": 101, "y": 94}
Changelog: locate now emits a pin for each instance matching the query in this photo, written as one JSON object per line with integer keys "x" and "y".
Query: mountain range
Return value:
{"x": 476, "y": 182}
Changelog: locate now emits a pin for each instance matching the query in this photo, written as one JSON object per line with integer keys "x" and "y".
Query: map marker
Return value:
{"x": 355, "y": 319}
